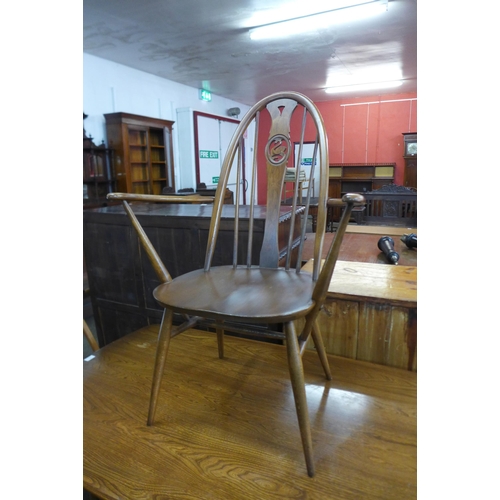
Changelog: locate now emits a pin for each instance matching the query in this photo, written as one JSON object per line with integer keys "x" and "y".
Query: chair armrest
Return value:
{"x": 161, "y": 198}
{"x": 355, "y": 198}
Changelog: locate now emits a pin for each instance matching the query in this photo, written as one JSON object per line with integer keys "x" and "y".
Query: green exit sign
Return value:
{"x": 205, "y": 95}
{"x": 209, "y": 155}
{"x": 215, "y": 180}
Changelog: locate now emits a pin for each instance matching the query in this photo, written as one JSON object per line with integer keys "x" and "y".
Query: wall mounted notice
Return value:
{"x": 209, "y": 155}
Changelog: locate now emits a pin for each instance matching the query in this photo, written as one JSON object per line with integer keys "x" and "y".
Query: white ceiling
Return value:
{"x": 205, "y": 44}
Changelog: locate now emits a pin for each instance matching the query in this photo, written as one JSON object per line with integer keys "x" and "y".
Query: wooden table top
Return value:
{"x": 365, "y": 281}
{"x": 188, "y": 210}
{"x": 362, "y": 247}
{"x": 227, "y": 429}
{"x": 380, "y": 230}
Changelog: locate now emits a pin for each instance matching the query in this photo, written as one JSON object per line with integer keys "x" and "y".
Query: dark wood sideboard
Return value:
{"x": 357, "y": 178}
{"x": 121, "y": 279}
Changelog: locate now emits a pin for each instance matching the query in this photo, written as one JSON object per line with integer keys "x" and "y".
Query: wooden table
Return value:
{"x": 380, "y": 230}
{"x": 370, "y": 313}
{"x": 362, "y": 247}
{"x": 227, "y": 429}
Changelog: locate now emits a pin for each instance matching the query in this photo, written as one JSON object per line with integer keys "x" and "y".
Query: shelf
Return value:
{"x": 141, "y": 188}
{"x": 361, "y": 179}
{"x": 357, "y": 178}
{"x": 144, "y": 146}
{"x": 98, "y": 173}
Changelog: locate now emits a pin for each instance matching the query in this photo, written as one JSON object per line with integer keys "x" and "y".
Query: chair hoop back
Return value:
{"x": 285, "y": 129}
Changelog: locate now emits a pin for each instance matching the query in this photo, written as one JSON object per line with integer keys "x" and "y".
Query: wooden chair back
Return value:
{"x": 391, "y": 205}
{"x": 280, "y": 124}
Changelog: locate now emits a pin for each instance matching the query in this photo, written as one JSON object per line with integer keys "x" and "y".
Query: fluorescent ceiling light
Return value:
{"x": 364, "y": 86}
{"x": 347, "y": 11}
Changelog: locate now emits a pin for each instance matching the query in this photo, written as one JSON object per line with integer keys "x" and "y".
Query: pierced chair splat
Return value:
{"x": 268, "y": 290}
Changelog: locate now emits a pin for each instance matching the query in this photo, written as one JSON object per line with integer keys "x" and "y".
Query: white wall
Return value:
{"x": 109, "y": 87}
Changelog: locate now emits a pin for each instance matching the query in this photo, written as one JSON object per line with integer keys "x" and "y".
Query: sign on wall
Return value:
{"x": 209, "y": 155}
{"x": 205, "y": 95}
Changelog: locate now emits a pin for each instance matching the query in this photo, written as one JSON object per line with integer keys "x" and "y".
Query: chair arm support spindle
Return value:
{"x": 349, "y": 200}
{"x": 154, "y": 258}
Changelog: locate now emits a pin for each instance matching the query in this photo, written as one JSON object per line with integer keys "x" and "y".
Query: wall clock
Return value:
{"x": 410, "y": 144}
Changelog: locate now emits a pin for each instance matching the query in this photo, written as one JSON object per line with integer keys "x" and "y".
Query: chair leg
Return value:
{"x": 320, "y": 349}
{"x": 299, "y": 393}
{"x": 161, "y": 356}
{"x": 90, "y": 337}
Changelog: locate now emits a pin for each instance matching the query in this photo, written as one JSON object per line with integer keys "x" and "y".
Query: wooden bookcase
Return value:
{"x": 357, "y": 178}
{"x": 98, "y": 173}
{"x": 143, "y": 152}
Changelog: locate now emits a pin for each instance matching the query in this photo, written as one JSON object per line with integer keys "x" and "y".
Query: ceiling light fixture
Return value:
{"x": 364, "y": 86}
{"x": 346, "y": 11}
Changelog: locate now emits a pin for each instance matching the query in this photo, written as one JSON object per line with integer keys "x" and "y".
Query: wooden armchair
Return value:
{"x": 262, "y": 298}
{"x": 291, "y": 180}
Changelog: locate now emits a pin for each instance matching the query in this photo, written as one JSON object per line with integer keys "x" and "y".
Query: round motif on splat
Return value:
{"x": 278, "y": 149}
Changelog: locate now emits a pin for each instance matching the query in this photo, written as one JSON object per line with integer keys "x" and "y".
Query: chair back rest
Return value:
{"x": 280, "y": 125}
{"x": 391, "y": 205}
{"x": 276, "y": 123}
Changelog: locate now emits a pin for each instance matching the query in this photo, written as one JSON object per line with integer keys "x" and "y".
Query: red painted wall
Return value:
{"x": 362, "y": 130}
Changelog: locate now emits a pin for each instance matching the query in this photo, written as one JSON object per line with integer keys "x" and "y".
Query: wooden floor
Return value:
{"x": 227, "y": 429}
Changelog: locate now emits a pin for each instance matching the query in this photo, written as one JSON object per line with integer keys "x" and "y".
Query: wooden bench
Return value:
{"x": 391, "y": 205}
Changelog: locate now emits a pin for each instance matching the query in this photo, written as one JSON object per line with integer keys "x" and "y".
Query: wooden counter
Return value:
{"x": 370, "y": 313}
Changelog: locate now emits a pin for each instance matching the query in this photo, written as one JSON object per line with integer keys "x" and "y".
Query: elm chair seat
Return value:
{"x": 224, "y": 292}
{"x": 262, "y": 292}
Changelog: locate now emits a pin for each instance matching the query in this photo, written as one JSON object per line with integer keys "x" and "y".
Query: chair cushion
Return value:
{"x": 253, "y": 294}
